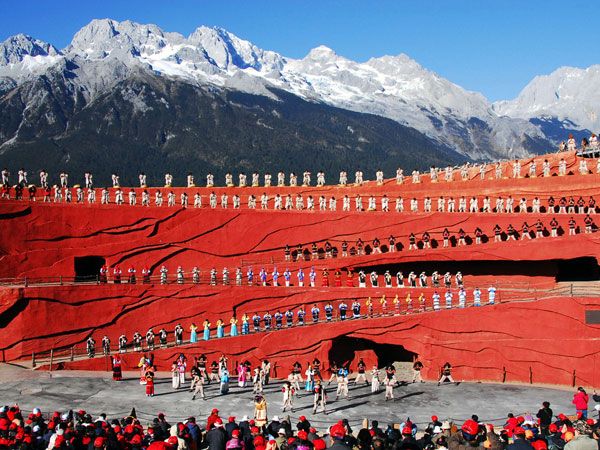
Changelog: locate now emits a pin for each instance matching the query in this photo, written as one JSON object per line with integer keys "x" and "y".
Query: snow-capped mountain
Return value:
{"x": 568, "y": 94}
{"x": 106, "y": 52}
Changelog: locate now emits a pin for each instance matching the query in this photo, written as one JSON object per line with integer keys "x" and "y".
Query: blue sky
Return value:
{"x": 495, "y": 48}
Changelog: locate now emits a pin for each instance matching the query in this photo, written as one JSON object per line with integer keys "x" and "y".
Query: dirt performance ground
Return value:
{"x": 97, "y": 393}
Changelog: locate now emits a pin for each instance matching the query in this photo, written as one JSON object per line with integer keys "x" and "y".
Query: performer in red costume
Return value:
{"x": 325, "y": 280}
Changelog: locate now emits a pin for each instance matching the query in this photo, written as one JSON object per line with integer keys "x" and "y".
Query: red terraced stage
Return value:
{"x": 543, "y": 329}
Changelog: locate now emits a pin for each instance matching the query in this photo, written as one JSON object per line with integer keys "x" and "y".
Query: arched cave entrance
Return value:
{"x": 87, "y": 268}
{"x": 344, "y": 350}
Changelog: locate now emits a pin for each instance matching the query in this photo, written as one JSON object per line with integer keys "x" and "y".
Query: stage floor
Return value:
{"x": 96, "y": 393}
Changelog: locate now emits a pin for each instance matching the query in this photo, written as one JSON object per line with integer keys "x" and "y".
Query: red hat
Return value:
{"x": 539, "y": 445}
{"x": 291, "y": 440}
{"x": 303, "y": 435}
{"x": 254, "y": 430}
{"x": 159, "y": 445}
{"x": 561, "y": 416}
{"x": 235, "y": 433}
{"x": 215, "y": 411}
{"x": 591, "y": 422}
{"x": 319, "y": 444}
{"x": 173, "y": 440}
{"x": 312, "y": 430}
{"x": 519, "y": 431}
{"x": 259, "y": 441}
{"x": 520, "y": 420}
{"x": 407, "y": 430}
{"x": 553, "y": 428}
{"x": 302, "y": 418}
{"x": 136, "y": 440}
{"x": 60, "y": 439}
{"x": 434, "y": 418}
{"x": 470, "y": 427}
{"x": 337, "y": 430}
{"x": 231, "y": 419}
{"x": 218, "y": 423}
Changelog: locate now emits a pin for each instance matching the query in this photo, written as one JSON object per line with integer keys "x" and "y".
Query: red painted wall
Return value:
{"x": 549, "y": 335}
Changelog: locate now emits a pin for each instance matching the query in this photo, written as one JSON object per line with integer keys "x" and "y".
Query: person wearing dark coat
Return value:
{"x": 244, "y": 426}
{"x": 407, "y": 442}
{"x": 230, "y": 426}
{"x": 303, "y": 424}
{"x": 194, "y": 430}
{"x": 545, "y": 415}
{"x": 554, "y": 438}
{"x": 216, "y": 438}
{"x": 376, "y": 429}
{"x": 364, "y": 439}
{"x": 161, "y": 428}
{"x": 274, "y": 426}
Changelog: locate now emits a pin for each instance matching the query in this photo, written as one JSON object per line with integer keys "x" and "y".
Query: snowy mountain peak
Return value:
{"x": 94, "y": 34}
{"x": 227, "y": 51}
{"x": 321, "y": 53}
{"x": 16, "y": 48}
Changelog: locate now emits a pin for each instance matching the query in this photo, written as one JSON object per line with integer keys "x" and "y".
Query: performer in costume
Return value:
{"x": 260, "y": 411}
{"x": 116, "y": 368}
{"x": 234, "y": 331}
{"x": 245, "y": 324}
{"x": 206, "y": 326}
{"x": 193, "y": 333}
{"x": 288, "y": 396}
{"x": 149, "y": 376}
{"x": 175, "y": 380}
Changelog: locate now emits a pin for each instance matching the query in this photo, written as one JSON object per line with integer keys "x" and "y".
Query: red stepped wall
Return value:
{"x": 546, "y": 339}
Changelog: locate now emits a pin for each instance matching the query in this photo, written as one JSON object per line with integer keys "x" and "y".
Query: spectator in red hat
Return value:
{"x": 235, "y": 443}
{"x": 303, "y": 424}
{"x": 230, "y": 426}
{"x": 469, "y": 438}
{"x": 337, "y": 433}
{"x": 408, "y": 441}
{"x": 214, "y": 415}
{"x": 260, "y": 443}
{"x": 519, "y": 440}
